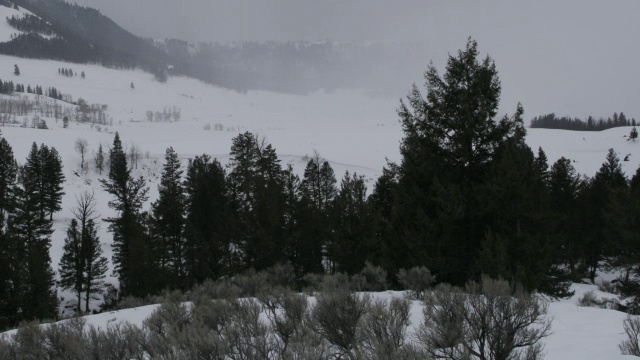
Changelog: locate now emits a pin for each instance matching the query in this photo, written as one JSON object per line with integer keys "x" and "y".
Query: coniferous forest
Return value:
{"x": 469, "y": 200}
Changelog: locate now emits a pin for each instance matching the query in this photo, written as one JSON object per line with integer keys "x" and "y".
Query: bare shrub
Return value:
{"x": 116, "y": 342}
{"x": 417, "y": 279}
{"x": 384, "y": 329}
{"x": 337, "y": 316}
{"x": 631, "y": 346}
{"x": 491, "y": 321}
{"x": 66, "y": 340}
{"x": 216, "y": 290}
{"x": 374, "y": 278}
{"x": 247, "y": 336}
{"x": 250, "y": 283}
{"x": 329, "y": 283}
{"x": 281, "y": 275}
{"x": 27, "y": 343}
{"x": 163, "y": 327}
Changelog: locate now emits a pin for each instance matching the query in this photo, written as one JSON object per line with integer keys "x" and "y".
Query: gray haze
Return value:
{"x": 571, "y": 57}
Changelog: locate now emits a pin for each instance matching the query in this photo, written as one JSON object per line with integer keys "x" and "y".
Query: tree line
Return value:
{"x": 469, "y": 198}
{"x": 29, "y": 195}
{"x": 8, "y": 88}
{"x": 551, "y": 121}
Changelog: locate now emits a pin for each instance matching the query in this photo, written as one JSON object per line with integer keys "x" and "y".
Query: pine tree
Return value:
{"x": 100, "y": 159}
{"x": 72, "y": 264}
{"x": 256, "y": 182}
{"x": 451, "y": 137}
{"x": 8, "y": 173}
{"x": 208, "y": 227}
{"x": 351, "y": 223}
{"x": 33, "y": 232}
{"x": 95, "y": 265}
{"x": 53, "y": 180}
{"x": 130, "y": 250}
{"x": 16, "y": 70}
{"x": 169, "y": 219}
{"x": 633, "y": 135}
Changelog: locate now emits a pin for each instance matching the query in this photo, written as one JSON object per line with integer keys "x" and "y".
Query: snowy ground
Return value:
{"x": 354, "y": 130}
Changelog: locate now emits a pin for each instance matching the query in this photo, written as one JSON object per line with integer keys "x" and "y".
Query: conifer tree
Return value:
{"x": 451, "y": 137}
{"x": 351, "y": 223}
{"x": 53, "y": 180}
{"x": 208, "y": 226}
{"x": 256, "y": 181}
{"x": 8, "y": 174}
{"x": 100, "y": 159}
{"x": 169, "y": 219}
{"x": 633, "y": 135}
{"x": 33, "y": 232}
{"x": 95, "y": 265}
{"x": 72, "y": 264}
{"x": 130, "y": 249}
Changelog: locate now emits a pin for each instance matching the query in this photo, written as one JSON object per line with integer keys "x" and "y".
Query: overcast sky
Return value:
{"x": 572, "y": 57}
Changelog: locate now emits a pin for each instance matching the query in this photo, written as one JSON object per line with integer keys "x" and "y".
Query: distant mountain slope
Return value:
{"x": 83, "y": 35}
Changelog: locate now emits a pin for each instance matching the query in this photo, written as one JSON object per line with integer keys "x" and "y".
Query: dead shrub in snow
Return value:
{"x": 631, "y": 346}
{"x": 492, "y": 320}
{"x": 417, "y": 279}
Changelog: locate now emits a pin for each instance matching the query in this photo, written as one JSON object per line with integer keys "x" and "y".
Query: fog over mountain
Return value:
{"x": 573, "y": 57}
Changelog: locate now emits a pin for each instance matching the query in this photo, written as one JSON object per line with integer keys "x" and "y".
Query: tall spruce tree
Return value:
{"x": 130, "y": 248}
{"x": 53, "y": 180}
{"x": 256, "y": 181}
{"x": 168, "y": 221}
{"x": 351, "y": 224}
{"x": 450, "y": 140}
{"x": 318, "y": 189}
{"x": 95, "y": 265}
{"x": 32, "y": 231}
{"x": 100, "y": 159}
{"x": 8, "y": 175}
{"x": 72, "y": 264}
{"x": 208, "y": 247}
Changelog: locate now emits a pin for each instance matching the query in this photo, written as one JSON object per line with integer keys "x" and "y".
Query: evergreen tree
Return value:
{"x": 450, "y": 141}
{"x": 33, "y": 232}
{"x": 8, "y": 173}
{"x": 257, "y": 190}
{"x": 633, "y": 135}
{"x": 318, "y": 191}
{"x": 53, "y": 180}
{"x": 95, "y": 265}
{"x": 208, "y": 249}
{"x": 169, "y": 219}
{"x": 72, "y": 265}
{"x": 564, "y": 187}
{"x": 351, "y": 224}
{"x": 100, "y": 159}
{"x": 597, "y": 232}
{"x": 130, "y": 248}
{"x": 16, "y": 70}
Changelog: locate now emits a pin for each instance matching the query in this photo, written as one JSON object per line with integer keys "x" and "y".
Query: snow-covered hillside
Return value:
{"x": 354, "y": 130}
{"x": 7, "y": 31}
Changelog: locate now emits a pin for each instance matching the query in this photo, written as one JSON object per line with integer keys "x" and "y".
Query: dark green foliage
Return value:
{"x": 16, "y": 70}
{"x": 256, "y": 182}
{"x": 8, "y": 174}
{"x": 131, "y": 250}
{"x": 100, "y": 159}
{"x": 350, "y": 222}
{"x": 53, "y": 180}
{"x": 72, "y": 263}
{"x": 207, "y": 231}
{"x": 169, "y": 221}
{"x": 451, "y": 139}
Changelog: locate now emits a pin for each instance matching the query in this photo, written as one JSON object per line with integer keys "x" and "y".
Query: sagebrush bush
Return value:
{"x": 417, "y": 279}
{"x": 336, "y": 316}
{"x": 631, "y": 346}
{"x": 384, "y": 329}
{"x": 491, "y": 320}
{"x": 374, "y": 278}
